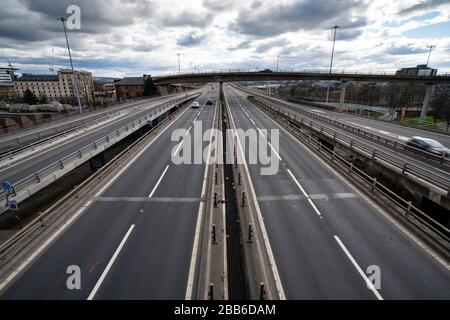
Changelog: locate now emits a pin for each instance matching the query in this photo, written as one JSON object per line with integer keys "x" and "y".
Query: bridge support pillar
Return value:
{"x": 426, "y": 102}
{"x": 342, "y": 97}
{"x": 164, "y": 90}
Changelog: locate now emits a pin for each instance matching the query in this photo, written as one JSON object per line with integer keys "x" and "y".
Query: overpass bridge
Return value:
{"x": 344, "y": 76}
{"x": 145, "y": 227}
{"x": 268, "y": 75}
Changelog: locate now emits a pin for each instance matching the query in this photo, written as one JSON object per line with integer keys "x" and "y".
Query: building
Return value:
{"x": 419, "y": 70}
{"x": 129, "y": 88}
{"x": 7, "y": 77}
{"x": 7, "y": 74}
{"x": 104, "y": 92}
{"x": 58, "y": 87}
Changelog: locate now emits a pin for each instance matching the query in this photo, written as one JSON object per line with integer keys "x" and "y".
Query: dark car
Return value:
{"x": 209, "y": 102}
{"x": 429, "y": 145}
{"x": 266, "y": 70}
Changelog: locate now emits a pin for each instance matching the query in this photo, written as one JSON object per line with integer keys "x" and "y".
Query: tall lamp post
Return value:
{"x": 332, "y": 56}
{"x": 179, "y": 68}
{"x": 75, "y": 84}
{"x": 429, "y": 53}
{"x": 278, "y": 58}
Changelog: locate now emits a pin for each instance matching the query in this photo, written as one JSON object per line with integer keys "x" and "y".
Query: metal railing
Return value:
{"x": 103, "y": 143}
{"x": 299, "y": 71}
{"x": 19, "y": 150}
{"x": 440, "y": 180}
{"x": 8, "y": 142}
{"x": 405, "y": 208}
{"x": 395, "y": 144}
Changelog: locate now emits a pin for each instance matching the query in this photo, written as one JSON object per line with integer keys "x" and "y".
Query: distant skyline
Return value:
{"x": 129, "y": 38}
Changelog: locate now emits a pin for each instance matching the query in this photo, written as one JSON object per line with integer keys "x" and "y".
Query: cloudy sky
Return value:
{"x": 132, "y": 37}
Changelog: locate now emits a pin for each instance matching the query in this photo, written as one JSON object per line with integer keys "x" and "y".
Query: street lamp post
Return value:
{"x": 179, "y": 68}
{"x": 429, "y": 53}
{"x": 75, "y": 85}
{"x": 332, "y": 56}
{"x": 278, "y": 58}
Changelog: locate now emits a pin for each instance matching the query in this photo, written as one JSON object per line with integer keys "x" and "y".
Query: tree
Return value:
{"x": 441, "y": 107}
{"x": 43, "y": 99}
{"x": 29, "y": 97}
{"x": 149, "y": 87}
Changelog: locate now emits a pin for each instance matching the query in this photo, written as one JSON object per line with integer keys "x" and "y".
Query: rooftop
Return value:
{"x": 38, "y": 77}
{"x": 131, "y": 81}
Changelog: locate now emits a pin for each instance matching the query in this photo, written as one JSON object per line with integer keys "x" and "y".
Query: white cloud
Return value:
{"x": 120, "y": 37}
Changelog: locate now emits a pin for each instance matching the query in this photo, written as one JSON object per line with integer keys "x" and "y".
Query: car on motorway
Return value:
{"x": 209, "y": 102}
{"x": 195, "y": 105}
{"x": 429, "y": 145}
{"x": 266, "y": 71}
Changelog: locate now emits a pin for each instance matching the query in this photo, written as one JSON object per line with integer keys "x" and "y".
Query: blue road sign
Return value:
{"x": 13, "y": 206}
{"x": 7, "y": 187}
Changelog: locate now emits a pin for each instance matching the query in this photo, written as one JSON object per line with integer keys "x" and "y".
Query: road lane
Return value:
{"x": 152, "y": 263}
{"x": 299, "y": 235}
{"x": 15, "y": 172}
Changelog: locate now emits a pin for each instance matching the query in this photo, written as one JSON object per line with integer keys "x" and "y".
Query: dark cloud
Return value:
{"x": 186, "y": 19}
{"x": 266, "y": 46}
{"x": 218, "y": 5}
{"x": 346, "y": 34}
{"x": 27, "y": 20}
{"x": 273, "y": 20}
{"x": 404, "y": 50}
{"x": 241, "y": 45}
{"x": 145, "y": 47}
{"x": 191, "y": 39}
{"x": 424, "y": 5}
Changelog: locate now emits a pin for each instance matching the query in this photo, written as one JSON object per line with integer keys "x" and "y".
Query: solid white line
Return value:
{"x": 253, "y": 121}
{"x": 129, "y": 163}
{"x": 304, "y": 192}
{"x": 196, "y": 245}
{"x": 261, "y": 132}
{"x": 361, "y": 272}
{"x": 275, "y": 151}
{"x": 110, "y": 263}
{"x": 361, "y": 194}
{"x": 159, "y": 181}
{"x": 260, "y": 218}
{"x": 189, "y": 130}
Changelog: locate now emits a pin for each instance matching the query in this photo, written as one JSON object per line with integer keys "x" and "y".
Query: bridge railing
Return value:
{"x": 438, "y": 179}
{"x": 294, "y": 70}
{"x": 32, "y": 183}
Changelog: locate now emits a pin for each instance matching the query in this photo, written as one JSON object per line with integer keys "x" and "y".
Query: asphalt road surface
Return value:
{"x": 135, "y": 239}
{"x": 326, "y": 236}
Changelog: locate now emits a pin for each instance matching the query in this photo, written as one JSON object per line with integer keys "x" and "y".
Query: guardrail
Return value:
{"x": 294, "y": 70}
{"x": 436, "y": 233}
{"x": 404, "y": 168}
{"x": 53, "y": 130}
{"x": 397, "y": 145}
{"x": 29, "y": 185}
{"x": 13, "y": 152}
{"x": 13, "y": 142}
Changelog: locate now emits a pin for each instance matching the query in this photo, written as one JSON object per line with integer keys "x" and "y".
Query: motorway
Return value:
{"x": 135, "y": 238}
{"x": 438, "y": 171}
{"x": 325, "y": 234}
{"x": 390, "y": 130}
{"x": 29, "y": 162}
